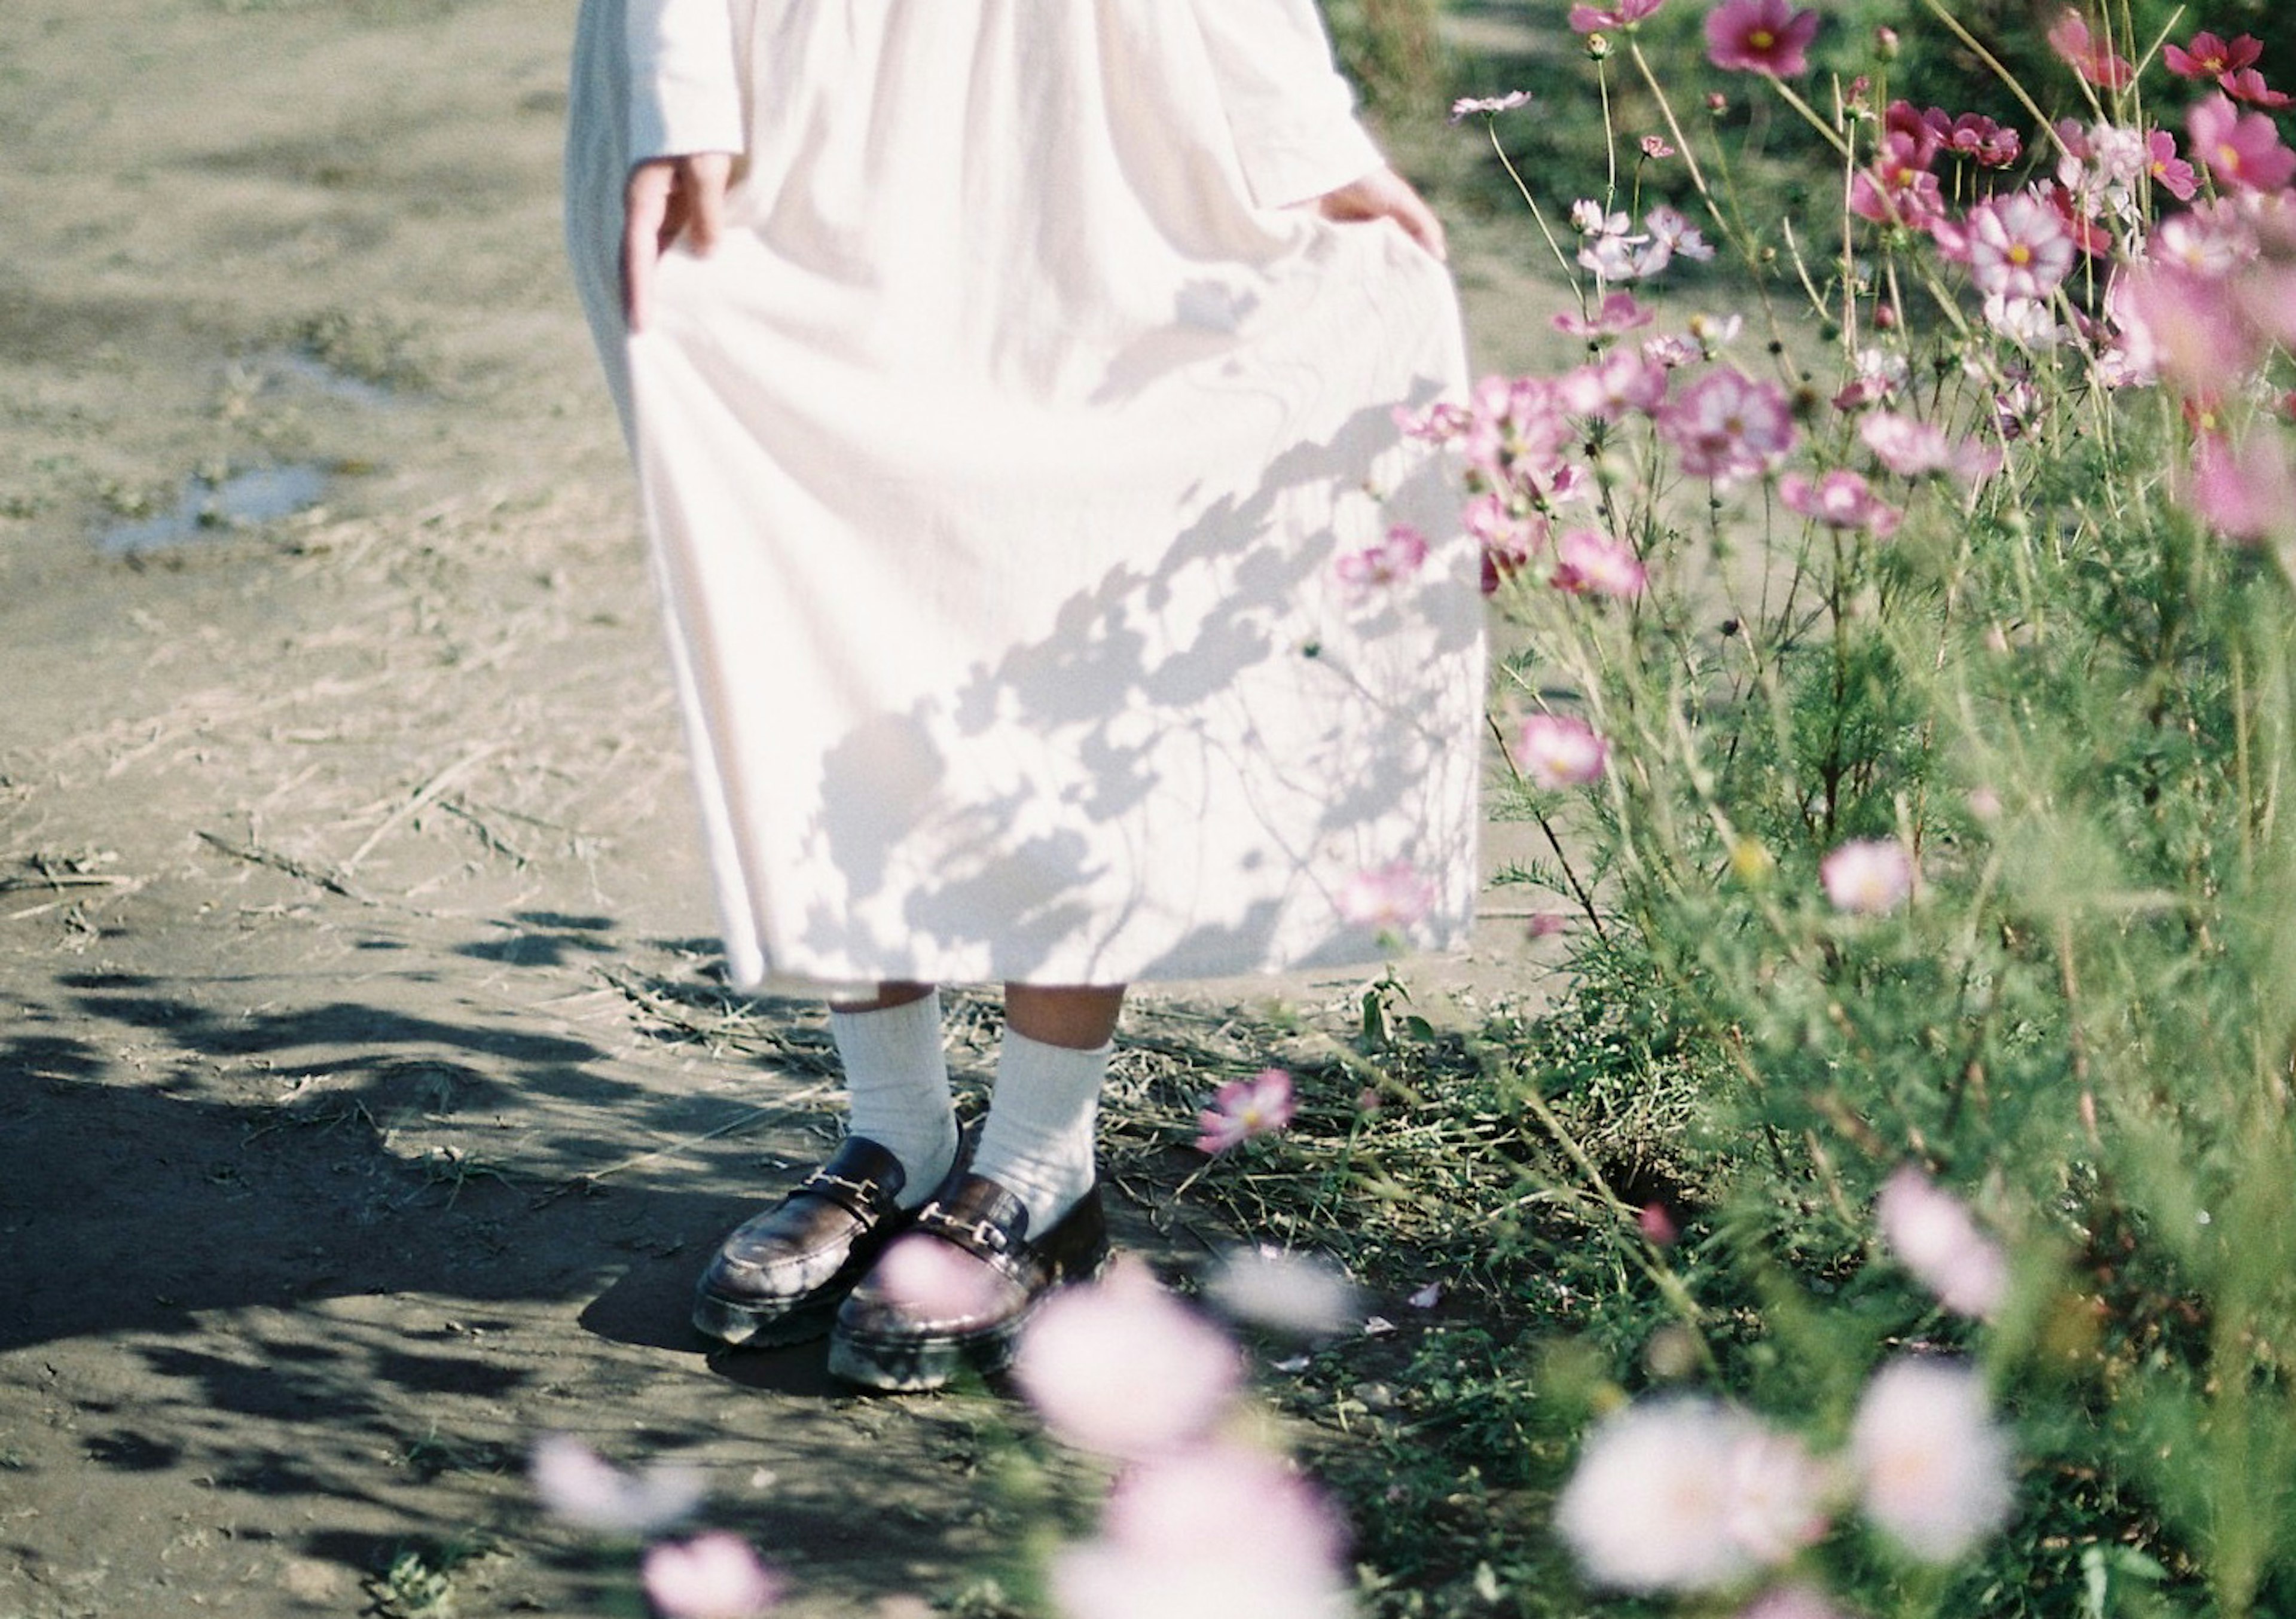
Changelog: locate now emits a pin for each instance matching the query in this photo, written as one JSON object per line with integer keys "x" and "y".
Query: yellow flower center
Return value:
{"x": 1762, "y": 39}
{"x": 2019, "y": 254}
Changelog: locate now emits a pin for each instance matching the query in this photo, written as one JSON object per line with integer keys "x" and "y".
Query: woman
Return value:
{"x": 1011, "y": 386}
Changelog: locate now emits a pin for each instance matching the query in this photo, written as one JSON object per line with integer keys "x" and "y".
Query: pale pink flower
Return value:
{"x": 1669, "y": 229}
{"x": 2028, "y": 321}
{"x": 1301, "y": 1294}
{"x": 1396, "y": 558}
{"x": 2242, "y": 150}
{"x": 1218, "y": 1531}
{"x": 2018, "y": 246}
{"x": 1760, "y": 37}
{"x": 2211, "y": 242}
{"x": 1618, "y": 314}
{"x": 1560, "y": 750}
{"x": 1590, "y": 19}
{"x": 1727, "y": 427}
{"x": 1686, "y": 1495}
{"x": 2089, "y": 56}
{"x": 1934, "y": 1234}
{"x": 934, "y": 1278}
{"x": 1466, "y": 106}
{"x": 1914, "y": 448}
{"x": 1621, "y": 380}
{"x": 1386, "y": 897}
{"x": 1587, "y": 559}
{"x": 2191, "y": 327}
{"x": 2243, "y": 489}
{"x": 1838, "y": 499}
{"x": 577, "y": 1487}
{"x": 1867, "y": 876}
{"x": 712, "y": 1576}
{"x": 1123, "y": 1368}
{"x": 1654, "y": 148}
{"x": 1790, "y": 1602}
{"x": 1243, "y": 1109}
{"x": 1933, "y": 1467}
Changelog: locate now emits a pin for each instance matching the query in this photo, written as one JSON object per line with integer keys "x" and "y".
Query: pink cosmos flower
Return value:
{"x": 1760, "y": 37}
{"x": 1839, "y": 499}
{"x": 1931, "y": 1465}
{"x": 1686, "y": 1494}
{"x": 2247, "y": 85}
{"x": 935, "y": 1279}
{"x": 1675, "y": 234}
{"x": 2190, "y": 326}
{"x": 2242, "y": 150}
{"x": 1934, "y": 1235}
{"x": 1590, "y": 20}
{"x": 712, "y": 1576}
{"x": 1560, "y": 750}
{"x": 1977, "y": 137}
{"x": 1243, "y": 1109}
{"x": 1386, "y": 898}
{"x": 1727, "y": 427}
{"x": 1654, "y": 148}
{"x": 1466, "y": 106}
{"x": 579, "y": 1487}
{"x": 1398, "y": 557}
{"x": 1913, "y": 448}
{"x": 1867, "y": 876}
{"x": 1123, "y": 1368}
{"x": 1219, "y": 1529}
{"x": 1301, "y": 1294}
{"x": 1588, "y": 559}
{"x": 2209, "y": 57}
{"x": 1618, "y": 314}
{"x": 2243, "y": 489}
{"x": 2018, "y": 247}
{"x": 2089, "y": 56}
{"x": 2169, "y": 172}
{"x": 1621, "y": 380}
{"x": 1897, "y": 188}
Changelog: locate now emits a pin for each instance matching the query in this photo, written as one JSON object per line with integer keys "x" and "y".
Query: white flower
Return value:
{"x": 1869, "y": 876}
{"x": 712, "y": 1576}
{"x": 1934, "y": 1236}
{"x": 578, "y": 1487}
{"x": 1124, "y": 1368}
{"x": 1685, "y": 1494}
{"x": 1301, "y": 1294}
{"x": 1933, "y": 1467}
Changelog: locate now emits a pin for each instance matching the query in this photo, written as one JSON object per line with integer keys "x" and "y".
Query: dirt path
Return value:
{"x": 366, "y": 1101}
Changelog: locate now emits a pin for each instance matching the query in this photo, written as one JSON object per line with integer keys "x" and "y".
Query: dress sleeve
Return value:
{"x": 685, "y": 93}
{"x": 1291, "y": 111}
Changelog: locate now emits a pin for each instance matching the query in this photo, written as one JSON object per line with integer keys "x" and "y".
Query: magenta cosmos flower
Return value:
{"x": 2211, "y": 57}
{"x": 2243, "y": 150}
{"x": 2089, "y": 56}
{"x": 1760, "y": 37}
{"x": 1591, "y": 19}
{"x": 1243, "y": 1108}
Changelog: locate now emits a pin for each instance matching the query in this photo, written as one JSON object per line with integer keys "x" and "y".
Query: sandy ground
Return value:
{"x": 366, "y": 1101}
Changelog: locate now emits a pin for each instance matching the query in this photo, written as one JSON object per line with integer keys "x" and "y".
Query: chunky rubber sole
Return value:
{"x": 737, "y": 1326}
{"x": 915, "y": 1366}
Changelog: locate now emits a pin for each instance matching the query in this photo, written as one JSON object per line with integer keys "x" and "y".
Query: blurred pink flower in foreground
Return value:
{"x": 2089, "y": 56}
{"x": 1868, "y": 876}
{"x": 2245, "y": 489}
{"x": 1838, "y": 499}
{"x": 1123, "y": 1368}
{"x": 1618, "y": 313}
{"x": 1728, "y": 427}
{"x": 1790, "y": 1602}
{"x": 1914, "y": 448}
{"x": 1389, "y": 896}
{"x": 1934, "y": 1234}
{"x": 1933, "y": 1467}
{"x": 935, "y": 1279}
{"x": 579, "y": 1487}
{"x": 1686, "y": 1495}
{"x": 1586, "y": 559}
{"x": 1559, "y": 750}
{"x": 1760, "y": 37}
{"x": 1216, "y": 1531}
{"x": 1243, "y": 1109}
{"x": 2242, "y": 150}
{"x": 1398, "y": 556}
{"x": 1301, "y": 1294}
{"x": 712, "y": 1576}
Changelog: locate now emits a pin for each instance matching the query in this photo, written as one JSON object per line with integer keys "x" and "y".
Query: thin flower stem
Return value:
{"x": 1811, "y": 114}
{"x": 1681, "y": 141}
{"x": 1993, "y": 64}
{"x": 1531, "y": 202}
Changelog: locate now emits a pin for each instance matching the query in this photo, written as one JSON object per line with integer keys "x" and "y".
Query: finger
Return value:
{"x": 645, "y": 200}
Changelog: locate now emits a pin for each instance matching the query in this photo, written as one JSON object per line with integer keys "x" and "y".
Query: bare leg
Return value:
{"x": 887, "y": 995}
{"x": 1081, "y": 1017}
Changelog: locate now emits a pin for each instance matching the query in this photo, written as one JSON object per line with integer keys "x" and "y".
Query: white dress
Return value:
{"x": 1006, "y": 468}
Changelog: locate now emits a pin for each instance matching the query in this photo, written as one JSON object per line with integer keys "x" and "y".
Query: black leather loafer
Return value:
{"x": 779, "y": 1277}
{"x": 984, "y": 1284}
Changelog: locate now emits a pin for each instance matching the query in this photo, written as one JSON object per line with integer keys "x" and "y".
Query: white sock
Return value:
{"x": 897, "y": 1076}
{"x": 1038, "y": 1141}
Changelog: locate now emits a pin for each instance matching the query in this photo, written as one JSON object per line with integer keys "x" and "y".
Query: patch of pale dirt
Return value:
{"x": 366, "y": 1103}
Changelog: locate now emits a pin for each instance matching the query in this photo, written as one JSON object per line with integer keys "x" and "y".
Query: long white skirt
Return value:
{"x": 1006, "y": 469}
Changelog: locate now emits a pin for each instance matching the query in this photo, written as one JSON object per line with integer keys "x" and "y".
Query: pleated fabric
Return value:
{"x": 1007, "y": 469}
